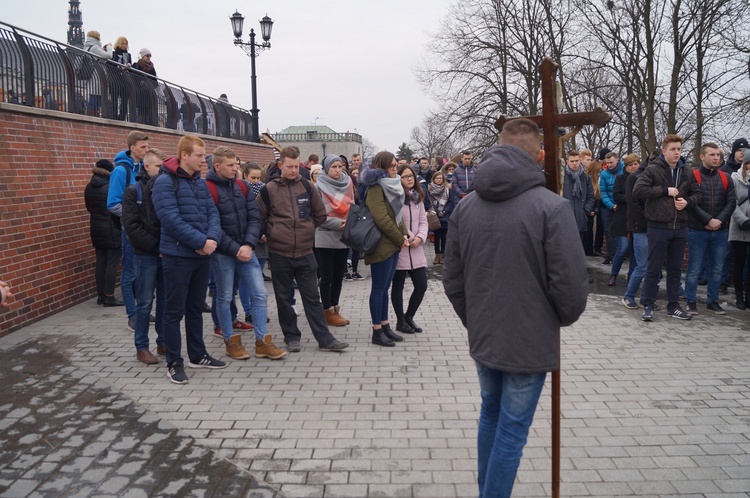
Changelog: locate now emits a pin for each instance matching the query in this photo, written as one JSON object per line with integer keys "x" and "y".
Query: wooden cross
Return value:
{"x": 549, "y": 121}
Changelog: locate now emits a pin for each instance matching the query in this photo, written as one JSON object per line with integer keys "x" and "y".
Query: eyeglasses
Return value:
{"x": 407, "y": 177}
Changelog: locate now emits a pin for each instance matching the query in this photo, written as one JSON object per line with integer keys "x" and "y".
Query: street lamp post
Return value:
{"x": 252, "y": 49}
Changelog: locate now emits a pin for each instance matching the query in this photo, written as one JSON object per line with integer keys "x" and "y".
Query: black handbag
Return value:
{"x": 360, "y": 232}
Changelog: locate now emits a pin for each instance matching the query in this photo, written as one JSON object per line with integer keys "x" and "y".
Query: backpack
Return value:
{"x": 85, "y": 69}
{"x": 722, "y": 176}
{"x": 267, "y": 198}
{"x": 214, "y": 190}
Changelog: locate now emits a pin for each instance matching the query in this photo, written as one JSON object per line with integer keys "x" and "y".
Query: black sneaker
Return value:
{"x": 207, "y": 362}
{"x": 630, "y": 303}
{"x": 723, "y": 289}
{"x": 335, "y": 346}
{"x": 716, "y": 308}
{"x": 131, "y": 324}
{"x": 648, "y": 314}
{"x": 357, "y": 276}
{"x": 692, "y": 308}
{"x": 680, "y": 314}
{"x": 206, "y": 308}
{"x": 347, "y": 277}
{"x": 176, "y": 374}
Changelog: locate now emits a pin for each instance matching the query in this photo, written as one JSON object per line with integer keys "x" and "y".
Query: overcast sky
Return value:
{"x": 347, "y": 64}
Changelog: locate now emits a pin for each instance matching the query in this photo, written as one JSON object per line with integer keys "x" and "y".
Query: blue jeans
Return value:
{"x": 622, "y": 247}
{"x": 249, "y": 273}
{"x": 382, "y": 275}
{"x": 245, "y": 293}
{"x": 508, "y": 405}
{"x": 127, "y": 279}
{"x": 232, "y": 303}
{"x": 150, "y": 278}
{"x": 640, "y": 257}
{"x": 710, "y": 246}
{"x": 186, "y": 281}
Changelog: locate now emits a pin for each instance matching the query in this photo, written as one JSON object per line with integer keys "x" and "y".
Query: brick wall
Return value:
{"x": 45, "y": 164}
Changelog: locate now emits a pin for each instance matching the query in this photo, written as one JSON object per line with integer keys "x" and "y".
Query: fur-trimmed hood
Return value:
{"x": 370, "y": 176}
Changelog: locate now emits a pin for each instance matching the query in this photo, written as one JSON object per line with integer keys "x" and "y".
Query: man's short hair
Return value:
{"x": 669, "y": 139}
{"x": 574, "y": 153}
{"x": 356, "y": 154}
{"x": 611, "y": 154}
{"x": 586, "y": 152}
{"x": 188, "y": 143}
{"x": 465, "y": 153}
{"x": 631, "y": 158}
{"x": 156, "y": 152}
{"x": 522, "y": 133}
{"x": 313, "y": 158}
{"x": 290, "y": 151}
{"x": 136, "y": 136}
{"x": 709, "y": 145}
{"x": 224, "y": 152}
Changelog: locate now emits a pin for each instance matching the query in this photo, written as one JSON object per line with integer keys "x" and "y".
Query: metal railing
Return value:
{"x": 38, "y": 72}
{"x": 317, "y": 137}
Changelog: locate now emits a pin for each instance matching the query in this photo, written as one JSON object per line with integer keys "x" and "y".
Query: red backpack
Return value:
{"x": 722, "y": 175}
{"x": 214, "y": 191}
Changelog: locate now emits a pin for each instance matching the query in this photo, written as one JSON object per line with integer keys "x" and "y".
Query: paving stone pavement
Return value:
{"x": 649, "y": 409}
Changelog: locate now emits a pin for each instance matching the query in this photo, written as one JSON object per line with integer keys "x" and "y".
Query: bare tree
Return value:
{"x": 369, "y": 149}
{"x": 432, "y": 138}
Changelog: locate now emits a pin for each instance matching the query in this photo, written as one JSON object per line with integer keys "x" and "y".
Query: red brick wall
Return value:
{"x": 45, "y": 163}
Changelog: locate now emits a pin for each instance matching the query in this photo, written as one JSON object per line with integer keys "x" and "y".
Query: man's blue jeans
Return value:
{"x": 245, "y": 292}
{"x": 249, "y": 273}
{"x": 640, "y": 257}
{"x": 508, "y": 405}
{"x": 622, "y": 247}
{"x": 711, "y": 246}
{"x": 150, "y": 278}
{"x": 127, "y": 279}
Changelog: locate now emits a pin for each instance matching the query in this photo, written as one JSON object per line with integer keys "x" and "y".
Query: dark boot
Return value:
{"x": 379, "y": 338}
{"x": 113, "y": 301}
{"x": 410, "y": 322}
{"x": 747, "y": 296}
{"x": 404, "y": 327}
{"x": 612, "y": 280}
{"x": 390, "y": 334}
{"x": 100, "y": 299}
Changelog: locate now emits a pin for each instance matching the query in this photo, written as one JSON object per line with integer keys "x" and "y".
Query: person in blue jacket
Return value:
{"x": 190, "y": 233}
{"x": 127, "y": 165}
{"x": 613, "y": 167}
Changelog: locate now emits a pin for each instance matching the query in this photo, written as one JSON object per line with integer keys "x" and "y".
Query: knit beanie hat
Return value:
{"x": 107, "y": 164}
{"x": 314, "y": 168}
{"x": 144, "y": 52}
{"x": 603, "y": 153}
{"x": 329, "y": 160}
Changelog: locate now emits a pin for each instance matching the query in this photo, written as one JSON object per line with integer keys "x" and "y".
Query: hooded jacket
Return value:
{"x": 515, "y": 270}
{"x": 238, "y": 214}
{"x": 94, "y": 46}
{"x": 714, "y": 202}
{"x": 124, "y": 163}
{"x": 731, "y": 165}
{"x": 652, "y": 188}
{"x": 636, "y": 218}
{"x": 186, "y": 211}
{"x": 139, "y": 220}
{"x": 392, "y": 235}
{"x": 607, "y": 184}
{"x": 289, "y": 222}
{"x": 741, "y": 214}
{"x": 104, "y": 226}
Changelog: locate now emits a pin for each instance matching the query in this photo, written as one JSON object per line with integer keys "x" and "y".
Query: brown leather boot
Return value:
{"x": 436, "y": 261}
{"x": 337, "y": 311}
{"x": 235, "y": 349}
{"x": 267, "y": 349}
{"x": 333, "y": 319}
{"x": 145, "y": 356}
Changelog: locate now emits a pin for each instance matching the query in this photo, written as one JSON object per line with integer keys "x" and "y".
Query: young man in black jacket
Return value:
{"x": 142, "y": 228}
{"x": 668, "y": 189}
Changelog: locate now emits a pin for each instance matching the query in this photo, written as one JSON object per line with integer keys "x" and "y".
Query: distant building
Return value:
{"x": 75, "y": 24}
{"x": 320, "y": 140}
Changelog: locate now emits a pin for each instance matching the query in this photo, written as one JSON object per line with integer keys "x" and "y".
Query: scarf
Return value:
{"x": 255, "y": 188}
{"x": 576, "y": 176}
{"x": 438, "y": 196}
{"x": 413, "y": 196}
{"x": 394, "y": 195}
{"x": 145, "y": 66}
{"x": 337, "y": 195}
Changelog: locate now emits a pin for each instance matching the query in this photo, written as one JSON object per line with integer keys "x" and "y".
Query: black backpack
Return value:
{"x": 85, "y": 69}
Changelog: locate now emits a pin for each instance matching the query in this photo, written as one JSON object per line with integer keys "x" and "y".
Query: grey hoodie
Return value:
{"x": 515, "y": 270}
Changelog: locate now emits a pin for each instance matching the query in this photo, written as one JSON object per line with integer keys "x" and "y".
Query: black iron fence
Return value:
{"x": 39, "y": 72}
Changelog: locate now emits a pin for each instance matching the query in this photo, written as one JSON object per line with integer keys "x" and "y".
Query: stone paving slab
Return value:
{"x": 649, "y": 409}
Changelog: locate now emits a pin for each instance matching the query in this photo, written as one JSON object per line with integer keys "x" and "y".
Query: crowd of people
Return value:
{"x": 178, "y": 233}
{"x": 654, "y": 209}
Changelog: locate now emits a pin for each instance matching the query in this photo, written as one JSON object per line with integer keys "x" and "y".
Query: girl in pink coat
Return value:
{"x": 412, "y": 260}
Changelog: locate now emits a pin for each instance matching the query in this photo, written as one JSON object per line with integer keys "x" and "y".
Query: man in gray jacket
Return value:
{"x": 515, "y": 272}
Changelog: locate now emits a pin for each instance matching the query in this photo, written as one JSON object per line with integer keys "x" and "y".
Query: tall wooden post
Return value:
{"x": 549, "y": 121}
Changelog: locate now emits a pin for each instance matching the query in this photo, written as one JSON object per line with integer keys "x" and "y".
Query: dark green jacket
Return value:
{"x": 392, "y": 237}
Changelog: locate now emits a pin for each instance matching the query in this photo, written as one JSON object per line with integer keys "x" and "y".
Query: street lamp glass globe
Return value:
{"x": 237, "y": 21}
{"x": 266, "y": 25}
